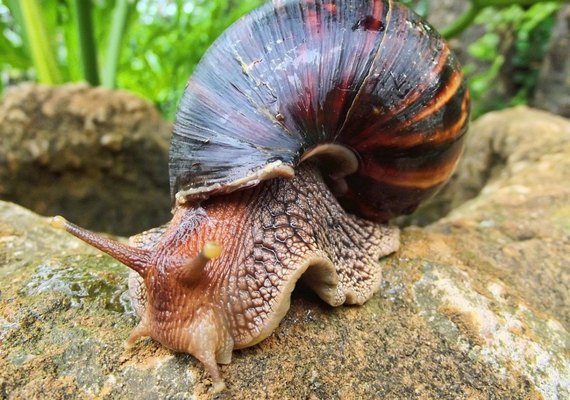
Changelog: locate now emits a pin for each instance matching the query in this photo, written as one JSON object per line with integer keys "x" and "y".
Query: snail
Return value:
{"x": 306, "y": 126}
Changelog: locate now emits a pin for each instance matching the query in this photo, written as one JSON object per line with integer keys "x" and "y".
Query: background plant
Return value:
{"x": 150, "y": 47}
{"x": 514, "y": 47}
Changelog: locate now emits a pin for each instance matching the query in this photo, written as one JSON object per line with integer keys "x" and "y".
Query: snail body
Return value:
{"x": 307, "y": 125}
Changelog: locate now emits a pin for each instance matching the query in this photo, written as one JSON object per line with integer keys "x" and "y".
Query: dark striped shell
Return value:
{"x": 369, "y": 75}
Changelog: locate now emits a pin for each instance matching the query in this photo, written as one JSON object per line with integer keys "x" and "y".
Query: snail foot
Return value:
{"x": 357, "y": 249}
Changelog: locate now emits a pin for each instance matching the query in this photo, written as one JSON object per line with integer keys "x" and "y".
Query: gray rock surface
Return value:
{"x": 475, "y": 305}
{"x": 97, "y": 156}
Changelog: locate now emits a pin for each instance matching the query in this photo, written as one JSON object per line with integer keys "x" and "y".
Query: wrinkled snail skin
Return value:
{"x": 287, "y": 228}
{"x": 301, "y": 111}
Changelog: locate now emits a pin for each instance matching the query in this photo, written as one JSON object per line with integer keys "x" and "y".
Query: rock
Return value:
{"x": 97, "y": 156}
{"x": 553, "y": 87}
{"x": 475, "y": 305}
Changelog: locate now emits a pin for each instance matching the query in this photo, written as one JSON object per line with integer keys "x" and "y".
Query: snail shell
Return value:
{"x": 368, "y": 83}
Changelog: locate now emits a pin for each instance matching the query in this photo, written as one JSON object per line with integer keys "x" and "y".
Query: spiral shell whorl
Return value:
{"x": 369, "y": 75}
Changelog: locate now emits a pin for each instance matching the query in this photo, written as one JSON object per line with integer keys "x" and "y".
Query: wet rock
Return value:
{"x": 474, "y": 305}
{"x": 97, "y": 156}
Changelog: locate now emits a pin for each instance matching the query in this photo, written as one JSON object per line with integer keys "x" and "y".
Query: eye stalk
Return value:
{"x": 211, "y": 250}
{"x": 192, "y": 269}
{"x": 134, "y": 258}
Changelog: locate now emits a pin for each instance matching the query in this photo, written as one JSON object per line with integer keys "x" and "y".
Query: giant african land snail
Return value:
{"x": 300, "y": 109}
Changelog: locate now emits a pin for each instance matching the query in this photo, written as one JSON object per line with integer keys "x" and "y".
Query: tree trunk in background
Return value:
{"x": 553, "y": 90}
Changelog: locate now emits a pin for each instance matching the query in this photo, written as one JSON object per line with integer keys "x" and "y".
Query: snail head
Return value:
{"x": 178, "y": 306}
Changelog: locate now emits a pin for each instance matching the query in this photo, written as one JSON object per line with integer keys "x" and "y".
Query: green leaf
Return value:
{"x": 83, "y": 19}
{"x": 41, "y": 49}
{"x": 11, "y": 54}
{"x": 120, "y": 22}
{"x": 486, "y": 47}
{"x": 536, "y": 15}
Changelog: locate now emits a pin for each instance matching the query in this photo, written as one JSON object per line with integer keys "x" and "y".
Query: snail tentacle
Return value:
{"x": 135, "y": 258}
{"x": 139, "y": 331}
{"x": 194, "y": 267}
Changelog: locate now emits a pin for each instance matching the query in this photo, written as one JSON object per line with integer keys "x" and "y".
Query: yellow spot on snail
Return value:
{"x": 58, "y": 222}
{"x": 211, "y": 250}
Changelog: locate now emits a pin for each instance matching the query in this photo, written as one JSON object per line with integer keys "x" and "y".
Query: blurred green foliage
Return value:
{"x": 161, "y": 42}
{"x": 512, "y": 49}
{"x": 167, "y": 43}
{"x": 150, "y": 47}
